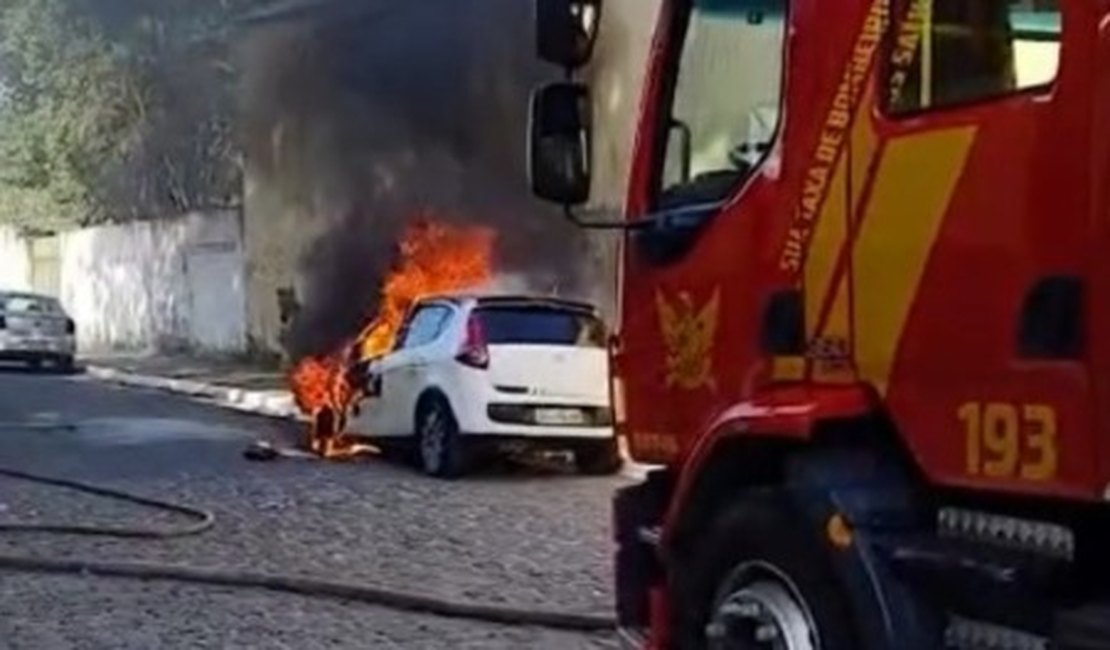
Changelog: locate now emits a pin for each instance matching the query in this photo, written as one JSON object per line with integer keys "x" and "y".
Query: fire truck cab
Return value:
{"x": 864, "y": 320}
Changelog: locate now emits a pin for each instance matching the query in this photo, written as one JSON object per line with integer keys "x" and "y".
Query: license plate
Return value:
{"x": 560, "y": 416}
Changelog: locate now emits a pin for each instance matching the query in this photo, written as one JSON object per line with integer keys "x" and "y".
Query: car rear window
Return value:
{"x": 31, "y": 305}
{"x": 541, "y": 326}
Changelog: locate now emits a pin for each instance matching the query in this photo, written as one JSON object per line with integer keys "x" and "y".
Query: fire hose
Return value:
{"x": 204, "y": 521}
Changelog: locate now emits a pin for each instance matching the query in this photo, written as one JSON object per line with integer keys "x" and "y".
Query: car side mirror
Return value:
{"x": 566, "y": 31}
{"x": 559, "y": 143}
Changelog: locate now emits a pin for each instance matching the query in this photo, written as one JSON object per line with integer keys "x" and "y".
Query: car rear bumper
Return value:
{"x": 538, "y": 434}
{"x": 475, "y": 405}
{"x": 20, "y": 348}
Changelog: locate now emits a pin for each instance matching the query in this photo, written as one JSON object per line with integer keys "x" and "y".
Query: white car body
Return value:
{"x": 35, "y": 329}
{"x": 535, "y": 385}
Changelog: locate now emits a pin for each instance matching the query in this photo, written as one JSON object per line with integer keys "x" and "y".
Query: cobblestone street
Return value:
{"x": 512, "y": 536}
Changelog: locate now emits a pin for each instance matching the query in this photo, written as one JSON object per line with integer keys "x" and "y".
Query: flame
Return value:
{"x": 434, "y": 258}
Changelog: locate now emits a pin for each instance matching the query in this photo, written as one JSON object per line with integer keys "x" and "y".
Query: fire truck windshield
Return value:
{"x": 725, "y": 105}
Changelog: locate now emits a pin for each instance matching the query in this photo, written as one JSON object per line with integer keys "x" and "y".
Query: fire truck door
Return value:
{"x": 1099, "y": 295}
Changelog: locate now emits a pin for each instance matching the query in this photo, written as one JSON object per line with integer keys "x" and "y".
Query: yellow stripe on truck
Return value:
{"x": 913, "y": 189}
{"x": 831, "y": 231}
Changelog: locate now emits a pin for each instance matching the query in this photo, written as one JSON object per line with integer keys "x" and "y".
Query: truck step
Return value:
{"x": 979, "y": 581}
{"x": 966, "y": 634}
{"x": 1039, "y": 537}
{"x": 1083, "y": 628}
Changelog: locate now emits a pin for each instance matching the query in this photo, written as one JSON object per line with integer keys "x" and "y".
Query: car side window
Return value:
{"x": 440, "y": 323}
{"x": 425, "y": 326}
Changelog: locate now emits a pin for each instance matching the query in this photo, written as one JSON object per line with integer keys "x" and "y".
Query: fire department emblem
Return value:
{"x": 688, "y": 333}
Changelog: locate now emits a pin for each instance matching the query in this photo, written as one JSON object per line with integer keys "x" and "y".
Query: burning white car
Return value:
{"x": 470, "y": 374}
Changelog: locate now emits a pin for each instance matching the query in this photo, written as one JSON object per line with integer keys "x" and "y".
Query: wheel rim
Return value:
{"x": 433, "y": 434}
{"x": 760, "y": 608}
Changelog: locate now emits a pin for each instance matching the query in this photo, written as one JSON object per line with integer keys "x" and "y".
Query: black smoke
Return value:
{"x": 366, "y": 117}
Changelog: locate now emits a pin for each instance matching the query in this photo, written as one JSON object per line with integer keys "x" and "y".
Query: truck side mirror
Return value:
{"x": 566, "y": 31}
{"x": 559, "y": 143}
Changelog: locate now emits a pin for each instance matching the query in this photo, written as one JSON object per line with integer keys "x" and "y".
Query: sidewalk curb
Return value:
{"x": 270, "y": 403}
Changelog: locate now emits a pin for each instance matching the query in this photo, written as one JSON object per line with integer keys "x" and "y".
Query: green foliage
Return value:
{"x": 114, "y": 110}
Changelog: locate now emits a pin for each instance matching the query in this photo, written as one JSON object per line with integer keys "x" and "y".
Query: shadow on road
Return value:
{"x": 17, "y": 368}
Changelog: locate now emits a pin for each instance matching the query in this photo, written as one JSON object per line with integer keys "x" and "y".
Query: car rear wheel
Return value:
{"x": 440, "y": 448}
{"x": 760, "y": 579}
{"x": 65, "y": 365}
{"x": 598, "y": 458}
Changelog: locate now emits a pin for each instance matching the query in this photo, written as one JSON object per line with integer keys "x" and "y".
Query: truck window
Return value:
{"x": 727, "y": 89}
{"x": 951, "y": 52}
{"x": 541, "y": 326}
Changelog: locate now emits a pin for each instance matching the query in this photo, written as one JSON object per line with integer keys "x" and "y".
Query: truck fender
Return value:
{"x": 787, "y": 414}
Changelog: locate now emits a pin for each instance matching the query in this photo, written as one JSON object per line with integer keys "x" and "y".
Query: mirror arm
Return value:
{"x": 689, "y": 216}
{"x": 577, "y": 220}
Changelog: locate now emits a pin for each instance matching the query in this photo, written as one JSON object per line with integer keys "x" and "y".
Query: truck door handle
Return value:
{"x": 1052, "y": 317}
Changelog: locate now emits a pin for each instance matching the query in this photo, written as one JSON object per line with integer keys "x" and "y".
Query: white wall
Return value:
{"x": 166, "y": 284}
{"x": 15, "y": 262}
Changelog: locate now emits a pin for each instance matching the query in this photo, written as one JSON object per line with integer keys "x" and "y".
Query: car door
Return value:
{"x": 399, "y": 373}
{"x": 409, "y": 377}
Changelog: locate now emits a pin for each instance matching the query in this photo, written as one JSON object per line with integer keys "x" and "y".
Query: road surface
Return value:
{"x": 512, "y": 537}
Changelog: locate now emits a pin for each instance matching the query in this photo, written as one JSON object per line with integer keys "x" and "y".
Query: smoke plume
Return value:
{"x": 364, "y": 119}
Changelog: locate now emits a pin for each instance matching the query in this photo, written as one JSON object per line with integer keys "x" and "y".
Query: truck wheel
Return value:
{"x": 598, "y": 458}
{"x": 760, "y": 579}
{"x": 439, "y": 446}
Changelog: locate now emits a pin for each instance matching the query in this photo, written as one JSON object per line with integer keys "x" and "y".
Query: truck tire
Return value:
{"x": 598, "y": 458}
{"x": 759, "y": 574}
{"x": 439, "y": 447}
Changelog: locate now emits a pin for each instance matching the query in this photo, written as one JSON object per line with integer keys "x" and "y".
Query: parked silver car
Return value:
{"x": 35, "y": 330}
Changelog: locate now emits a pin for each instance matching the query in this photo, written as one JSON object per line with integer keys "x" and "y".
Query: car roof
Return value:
{"x": 26, "y": 294}
{"x": 513, "y": 300}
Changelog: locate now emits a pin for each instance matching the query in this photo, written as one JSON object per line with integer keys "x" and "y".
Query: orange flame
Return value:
{"x": 435, "y": 258}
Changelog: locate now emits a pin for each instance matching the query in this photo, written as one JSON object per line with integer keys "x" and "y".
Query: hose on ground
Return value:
{"x": 300, "y": 585}
{"x": 203, "y": 520}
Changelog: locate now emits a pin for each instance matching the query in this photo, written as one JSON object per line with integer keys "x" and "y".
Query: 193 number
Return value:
{"x": 1010, "y": 441}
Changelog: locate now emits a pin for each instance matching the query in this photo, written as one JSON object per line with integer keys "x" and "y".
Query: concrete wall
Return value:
{"x": 276, "y": 237}
{"x": 168, "y": 284}
{"x": 15, "y": 267}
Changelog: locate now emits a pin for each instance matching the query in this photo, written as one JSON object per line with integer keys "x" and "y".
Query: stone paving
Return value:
{"x": 62, "y": 613}
{"x": 512, "y": 535}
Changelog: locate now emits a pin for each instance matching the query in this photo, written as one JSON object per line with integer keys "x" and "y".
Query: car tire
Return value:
{"x": 759, "y": 552}
{"x": 65, "y": 365}
{"x": 439, "y": 447}
{"x": 600, "y": 458}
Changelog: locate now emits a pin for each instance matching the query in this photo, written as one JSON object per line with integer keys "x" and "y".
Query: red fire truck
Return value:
{"x": 864, "y": 320}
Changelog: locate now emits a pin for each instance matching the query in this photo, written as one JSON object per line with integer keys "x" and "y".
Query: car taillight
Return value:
{"x": 474, "y": 352}
{"x": 71, "y": 327}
